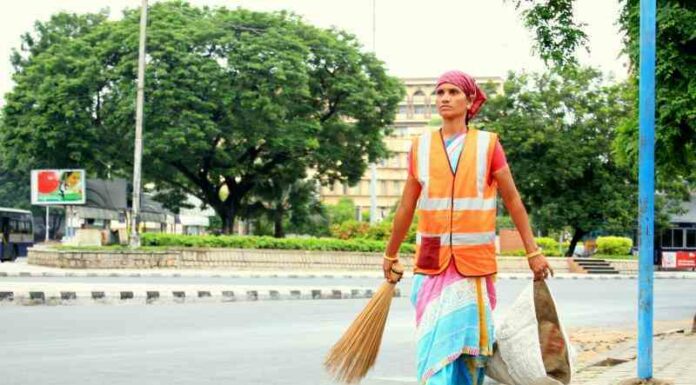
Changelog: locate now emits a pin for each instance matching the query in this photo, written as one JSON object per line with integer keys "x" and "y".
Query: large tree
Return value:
{"x": 559, "y": 36}
{"x": 675, "y": 78}
{"x": 557, "y": 129}
{"x": 233, "y": 98}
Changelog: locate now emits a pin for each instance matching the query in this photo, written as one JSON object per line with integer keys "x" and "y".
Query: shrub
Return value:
{"x": 379, "y": 232}
{"x": 256, "y": 242}
{"x": 350, "y": 230}
{"x": 549, "y": 246}
{"x": 614, "y": 245}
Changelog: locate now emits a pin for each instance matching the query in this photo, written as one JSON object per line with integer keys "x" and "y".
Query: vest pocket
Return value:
{"x": 429, "y": 255}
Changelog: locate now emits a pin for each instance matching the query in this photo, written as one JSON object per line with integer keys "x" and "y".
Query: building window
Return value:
{"x": 382, "y": 187}
{"x": 677, "y": 238}
{"x": 403, "y": 110}
{"x": 397, "y": 187}
{"x": 667, "y": 238}
{"x": 691, "y": 238}
{"x": 673, "y": 238}
{"x": 419, "y": 103}
{"x": 345, "y": 189}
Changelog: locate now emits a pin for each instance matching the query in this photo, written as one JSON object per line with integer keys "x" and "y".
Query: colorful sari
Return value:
{"x": 454, "y": 324}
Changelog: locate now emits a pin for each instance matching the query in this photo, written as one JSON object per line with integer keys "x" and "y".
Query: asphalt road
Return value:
{"x": 270, "y": 343}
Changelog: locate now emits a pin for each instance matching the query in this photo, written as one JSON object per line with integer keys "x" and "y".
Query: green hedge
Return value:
{"x": 378, "y": 232}
{"x": 614, "y": 245}
{"x": 549, "y": 246}
{"x": 255, "y": 242}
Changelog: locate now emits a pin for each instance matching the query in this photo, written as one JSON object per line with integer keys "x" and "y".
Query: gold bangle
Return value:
{"x": 535, "y": 253}
{"x": 392, "y": 259}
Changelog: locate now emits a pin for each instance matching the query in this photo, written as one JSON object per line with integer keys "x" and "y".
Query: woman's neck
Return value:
{"x": 451, "y": 127}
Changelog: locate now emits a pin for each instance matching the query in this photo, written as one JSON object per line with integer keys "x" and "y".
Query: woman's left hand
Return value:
{"x": 540, "y": 267}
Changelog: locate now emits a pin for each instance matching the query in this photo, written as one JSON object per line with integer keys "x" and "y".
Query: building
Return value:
{"x": 194, "y": 220}
{"x": 681, "y": 235}
{"x": 415, "y": 113}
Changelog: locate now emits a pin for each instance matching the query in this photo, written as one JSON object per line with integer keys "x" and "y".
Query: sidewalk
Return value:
{"x": 20, "y": 268}
{"x": 15, "y": 289}
{"x": 37, "y": 292}
{"x": 674, "y": 361}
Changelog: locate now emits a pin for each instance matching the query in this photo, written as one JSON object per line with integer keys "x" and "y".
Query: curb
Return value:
{"x": 188, "y": 295}
{"x": 512, "y": 276}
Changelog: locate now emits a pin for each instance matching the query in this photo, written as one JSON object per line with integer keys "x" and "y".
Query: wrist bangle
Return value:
{"x": 392, "y": 259}
{"x": 535, "y": 253}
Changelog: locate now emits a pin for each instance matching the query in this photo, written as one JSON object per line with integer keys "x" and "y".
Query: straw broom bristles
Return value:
{"x": 355, "y": 353}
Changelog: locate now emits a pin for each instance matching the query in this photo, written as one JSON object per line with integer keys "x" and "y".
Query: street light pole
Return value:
{"x": 646, "y": 180}
{"x": 137, "y": 159}
{"x": 373, "y": 166}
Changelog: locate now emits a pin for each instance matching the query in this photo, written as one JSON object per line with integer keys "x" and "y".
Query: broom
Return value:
{"x": 355, "y": 353}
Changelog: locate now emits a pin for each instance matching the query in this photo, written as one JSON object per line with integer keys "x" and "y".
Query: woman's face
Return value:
{"x": 451, "y": 101}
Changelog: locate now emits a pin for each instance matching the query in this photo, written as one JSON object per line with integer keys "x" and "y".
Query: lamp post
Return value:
{"x": 373, "y": 166}
{"x": 137, "y": 159}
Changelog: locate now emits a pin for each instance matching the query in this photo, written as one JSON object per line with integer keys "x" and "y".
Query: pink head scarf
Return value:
{"x": 467, "y": 84}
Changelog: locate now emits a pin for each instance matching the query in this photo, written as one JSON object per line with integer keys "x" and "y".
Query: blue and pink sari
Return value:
{"x": 454, "y": 322}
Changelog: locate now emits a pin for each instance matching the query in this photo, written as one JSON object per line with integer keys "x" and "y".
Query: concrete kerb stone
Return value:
{"x": 125, "y": 296}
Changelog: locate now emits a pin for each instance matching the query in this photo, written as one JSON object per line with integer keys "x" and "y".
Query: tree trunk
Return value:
{"x": 577, "y": 235}
{"x": 227, "y": 215}
{"x": 278, "y": 230}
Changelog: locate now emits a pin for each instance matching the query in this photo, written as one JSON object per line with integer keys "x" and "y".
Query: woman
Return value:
{"x": 454, "y": 176}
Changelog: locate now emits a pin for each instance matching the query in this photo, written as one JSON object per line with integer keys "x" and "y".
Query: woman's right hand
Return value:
{"x": 387, "y": 267}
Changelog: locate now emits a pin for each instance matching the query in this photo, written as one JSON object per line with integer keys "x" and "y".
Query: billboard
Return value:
{"x": 58, "y": 187}
{"x": 679, "y": 259}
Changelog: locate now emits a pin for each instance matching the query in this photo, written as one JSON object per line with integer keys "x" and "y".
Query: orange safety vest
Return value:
{"x": 456, "y": 210}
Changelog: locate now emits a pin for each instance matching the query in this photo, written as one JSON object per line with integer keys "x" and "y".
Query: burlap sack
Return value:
{"x": 531, "y": 346}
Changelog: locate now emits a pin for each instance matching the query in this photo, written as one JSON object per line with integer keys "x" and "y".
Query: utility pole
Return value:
{"x": 48, "y": 225}
{"x": 373, "y": 166}
{"x": 137, "y": 159}
{"x": 646, "y": 183}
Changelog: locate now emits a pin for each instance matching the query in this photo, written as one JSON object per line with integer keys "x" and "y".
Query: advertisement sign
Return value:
{"x": 686, "y": 259}
{"x": 679, "y": 259}
{"x": 58, "y": 187}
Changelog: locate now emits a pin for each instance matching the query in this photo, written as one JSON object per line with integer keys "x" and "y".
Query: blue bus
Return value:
{"x": 16, "y": 233}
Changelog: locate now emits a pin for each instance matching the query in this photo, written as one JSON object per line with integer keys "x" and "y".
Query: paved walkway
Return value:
{"x": 674, "y": 360}
{"x": 18, "y": 291}
{"x": 20, "y": 268}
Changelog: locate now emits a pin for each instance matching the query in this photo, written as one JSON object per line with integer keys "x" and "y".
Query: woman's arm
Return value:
{"x": 402, "y": 221}
{"x": 511, "y": 197}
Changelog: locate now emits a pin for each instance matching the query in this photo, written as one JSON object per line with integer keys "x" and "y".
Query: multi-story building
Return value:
{"x": 415, "y": 113}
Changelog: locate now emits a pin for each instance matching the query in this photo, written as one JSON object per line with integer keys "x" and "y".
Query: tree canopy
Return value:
{"x": 558, "y": 37}
{"x": 234, "y": 99}
{"x": 557, "y": 129}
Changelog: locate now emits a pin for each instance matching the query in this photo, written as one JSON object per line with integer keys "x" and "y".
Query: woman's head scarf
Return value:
{"x": 467, "y": 84}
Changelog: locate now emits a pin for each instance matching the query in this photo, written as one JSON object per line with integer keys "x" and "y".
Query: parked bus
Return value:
{"x": 16, "y": 233}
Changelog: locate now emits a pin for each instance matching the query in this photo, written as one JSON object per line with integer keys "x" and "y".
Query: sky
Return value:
{"x": 413, "y": 38}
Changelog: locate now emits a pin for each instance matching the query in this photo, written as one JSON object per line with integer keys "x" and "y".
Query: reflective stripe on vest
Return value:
{"x": 461, "y": 238}
{"x": 432, "y": 204}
